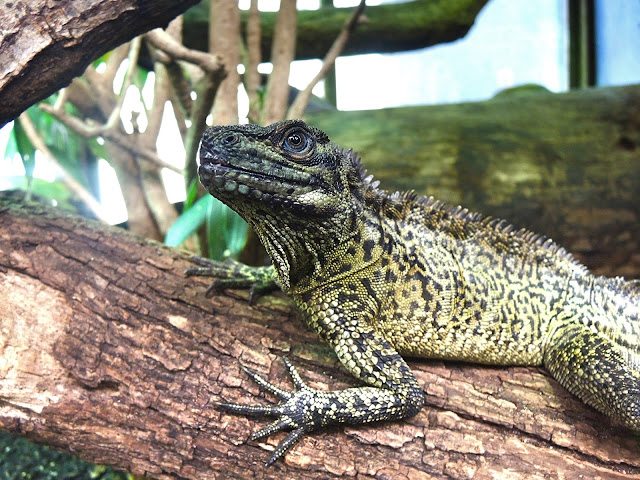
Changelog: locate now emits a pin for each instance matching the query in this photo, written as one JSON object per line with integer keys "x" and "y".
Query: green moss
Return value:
{"x": 24, "y": 460}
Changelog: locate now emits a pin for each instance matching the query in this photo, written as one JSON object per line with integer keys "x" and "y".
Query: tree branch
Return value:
{"x": 206, "y": 61}
{"x": 282, "y": 54}
{"x": 76, "y": 187}
{"x": 108, "y": 351}
{"x": 393, "y": 27}
{"x": 302, "y": 99}
{"x": 252, "y": 60}
{"x": 224, "y": 39}
{"x": 43, "y": 45}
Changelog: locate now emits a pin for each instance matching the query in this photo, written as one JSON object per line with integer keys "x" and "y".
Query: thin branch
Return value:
{"x": 163, "y": 41}
{"x": 206, "y": 92}
{"x": 302, "y": 99}
{"x": 142, "y": 152}
{"x": 179, "y": 84}
{"x": 85, "y": 130}
{"x": 251, "y": 75}
{"x": 75, "y": 186}
{"x": 134, "y": 53}
{"x": 101, "y": 84}
{"x": 63, "y": 96}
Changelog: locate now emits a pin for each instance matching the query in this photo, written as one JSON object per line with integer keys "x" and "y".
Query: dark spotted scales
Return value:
{"x": 381, "y": 275}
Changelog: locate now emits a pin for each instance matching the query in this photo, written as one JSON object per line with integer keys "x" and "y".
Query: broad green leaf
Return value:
{"x": 226, "y": 231}
{"x": 12, "y": 146}
{"x": 188, "y": 222}
{"x": 216, "y": 228}
{"x": 236, "y": 233}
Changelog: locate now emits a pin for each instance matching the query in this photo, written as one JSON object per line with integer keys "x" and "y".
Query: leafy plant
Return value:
{"x": 226, "y": 230}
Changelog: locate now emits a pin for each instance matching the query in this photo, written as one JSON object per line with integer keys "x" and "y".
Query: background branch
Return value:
{"x": 302, "y": 99}
{"x": 163, "y": 41}
{"x": 76, "y": 187}
{"x": 55, "y": 41}
{"x": 282, "y": 54}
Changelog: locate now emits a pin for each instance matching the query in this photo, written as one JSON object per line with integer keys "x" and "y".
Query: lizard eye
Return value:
{"x": 297, "y": 142}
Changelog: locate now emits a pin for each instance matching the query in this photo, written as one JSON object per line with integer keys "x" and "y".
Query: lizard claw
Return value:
{"x": 293, "y": 413}
{"x": 233, "y": 274}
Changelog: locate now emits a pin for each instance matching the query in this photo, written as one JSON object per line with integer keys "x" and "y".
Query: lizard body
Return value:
{"x": 381, "y": 275}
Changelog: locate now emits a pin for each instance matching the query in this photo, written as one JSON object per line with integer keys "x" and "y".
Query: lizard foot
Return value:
{"x": 300, "y": 410}
{"x": 233, "y": 274}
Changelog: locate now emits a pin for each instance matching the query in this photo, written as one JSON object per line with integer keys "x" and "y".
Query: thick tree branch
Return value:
{"x": 282, "y": 54}
{"x": 43, "y": 45}
{"x": 108, "y": 351}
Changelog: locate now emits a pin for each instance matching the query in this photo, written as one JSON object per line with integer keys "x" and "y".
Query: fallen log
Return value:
{"x": 109, "y": 352}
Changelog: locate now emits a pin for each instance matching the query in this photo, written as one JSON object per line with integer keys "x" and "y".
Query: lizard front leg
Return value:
{"x": 392, "y": 391}
{"x": 233, "y": 274}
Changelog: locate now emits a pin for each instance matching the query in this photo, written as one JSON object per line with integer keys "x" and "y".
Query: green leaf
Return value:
{"x": 236, "y": 233}
{"x": 12, "y": 146}
{"x": 216, "y": 227}
{"x": 192, "y": 193}
{"x": 188, "y": 222}
{"x": 26, "y": 150}
{"x": 226, "y": 231}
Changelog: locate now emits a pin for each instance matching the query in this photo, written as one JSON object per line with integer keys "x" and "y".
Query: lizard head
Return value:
{"x": 287, "y": 169}
{"x": 288, "y": 181}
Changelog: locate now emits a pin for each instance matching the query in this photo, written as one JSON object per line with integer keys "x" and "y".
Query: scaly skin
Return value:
{"x": 381, "y": 275}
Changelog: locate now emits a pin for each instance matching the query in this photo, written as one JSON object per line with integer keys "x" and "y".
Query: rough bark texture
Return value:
{"x": 106, "y": 350}
{"x": 43, "y": 45}
{"x": 387, "y": 28}
{"x": 565, "y": 165}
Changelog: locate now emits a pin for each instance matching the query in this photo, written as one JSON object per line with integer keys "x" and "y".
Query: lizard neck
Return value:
{"x": 310, "y": 253}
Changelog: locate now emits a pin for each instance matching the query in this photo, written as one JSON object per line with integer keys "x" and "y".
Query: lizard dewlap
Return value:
{"x": 381, "y": 275}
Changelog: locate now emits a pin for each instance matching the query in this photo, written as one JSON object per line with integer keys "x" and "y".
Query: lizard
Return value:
{"x": 381, "y": 275}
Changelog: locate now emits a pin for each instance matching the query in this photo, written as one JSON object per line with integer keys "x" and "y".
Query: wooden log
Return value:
{"x": 108, "y": 351}
{"x": 387, "y": 28}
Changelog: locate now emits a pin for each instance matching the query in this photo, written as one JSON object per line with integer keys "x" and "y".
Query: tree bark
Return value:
{"x": 43, "y": 45}
{"x": 388, "y": 28}
{"x": 564, "y": 165}
{"x": 108, "y": 351}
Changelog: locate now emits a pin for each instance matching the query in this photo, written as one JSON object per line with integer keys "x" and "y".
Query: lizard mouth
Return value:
{"x": 279, "y": 185}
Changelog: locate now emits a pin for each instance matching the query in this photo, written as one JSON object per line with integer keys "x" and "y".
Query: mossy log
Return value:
{"x": 387, "y": 28}
{"x": 564, "y": 165}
